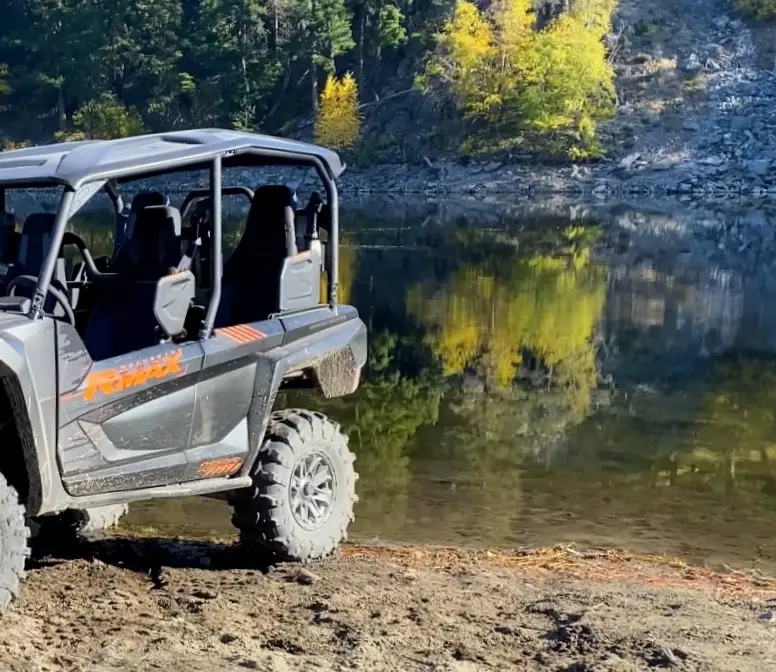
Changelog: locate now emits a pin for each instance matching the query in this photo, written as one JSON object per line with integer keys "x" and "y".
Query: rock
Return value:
{"x": 758, "y": 166}
{"x": 610, "y": 42}
{"x": 462, "y": 653}
{"x": 756, "y": 219}
{"x": 692, "y": 64}
{"x": 228, "y": 638}
{"x": 205, "y": 594}
{"x": 664, "y": 164}
{"x": 305, "y": 577}
{"x": 629, "y": 160}
{"x": 739, "y": 123}
{"x": 767, "y": 617}
{"x": 640, "y": 59}
{"x": 691, "y": 125}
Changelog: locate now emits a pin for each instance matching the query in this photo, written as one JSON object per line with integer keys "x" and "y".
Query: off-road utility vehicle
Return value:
{"x": 153, "y": 371}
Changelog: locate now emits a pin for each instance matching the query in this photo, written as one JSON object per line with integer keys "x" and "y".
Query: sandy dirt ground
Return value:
{"x": 195, "y": 607}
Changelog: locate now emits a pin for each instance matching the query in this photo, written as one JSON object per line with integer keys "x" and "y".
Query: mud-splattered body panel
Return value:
{"x": 179, "y": 413}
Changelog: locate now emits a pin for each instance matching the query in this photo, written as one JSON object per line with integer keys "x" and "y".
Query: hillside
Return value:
{"x": 691, "y": 86}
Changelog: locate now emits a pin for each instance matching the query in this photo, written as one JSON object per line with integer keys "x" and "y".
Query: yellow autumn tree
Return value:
{"x": 515, "y": 84}
{"x": 338, "y": 122}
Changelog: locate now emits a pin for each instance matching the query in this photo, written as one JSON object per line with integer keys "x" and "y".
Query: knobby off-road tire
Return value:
{"x": 303, "y": 462}
{"x": 14, "y": 546}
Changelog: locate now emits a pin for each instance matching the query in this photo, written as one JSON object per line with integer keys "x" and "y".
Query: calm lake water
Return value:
{"x": 545, "y": 379}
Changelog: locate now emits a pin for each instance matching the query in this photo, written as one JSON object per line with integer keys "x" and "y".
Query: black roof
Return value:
{"x": 73, "y": 163}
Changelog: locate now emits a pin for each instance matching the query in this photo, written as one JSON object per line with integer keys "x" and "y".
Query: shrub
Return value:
{"x": 512, "y": 82}
{"x": 104, "y": 118}
{"x": 760, "y": 9}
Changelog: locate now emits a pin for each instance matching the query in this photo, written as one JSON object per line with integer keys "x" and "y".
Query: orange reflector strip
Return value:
{"x": 241, "y": 333}
{"x": 224, "y": 467}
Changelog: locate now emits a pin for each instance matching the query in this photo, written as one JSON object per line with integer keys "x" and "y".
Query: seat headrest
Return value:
{"x": 315, "y": 203}
{"x": 155, "y": 244}
{"x": 275, "y": 196}
{"x": 34, "y": 242}
{"x": 8, "y": 237}
{"x": 39, "y": 223}
{"x": 272, "y": 211}
{"x": 324, "y": 217}
{"x": 7, "y": 220}
{"x": 167, "y": 213}
{"x": 148, "y": 198}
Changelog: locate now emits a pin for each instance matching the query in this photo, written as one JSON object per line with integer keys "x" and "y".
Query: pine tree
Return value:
{"x": 322, "y": 31}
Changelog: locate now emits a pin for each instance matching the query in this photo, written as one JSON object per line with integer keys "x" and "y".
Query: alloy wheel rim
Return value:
{"x": 312, "y": 490}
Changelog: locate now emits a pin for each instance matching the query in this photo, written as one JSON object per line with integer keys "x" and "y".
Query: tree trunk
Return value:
{"x": 275, "y": 28}
{"x": 314, "y": 84}
{"x": 360, "y": 54}
{"x": 61, "y": 111}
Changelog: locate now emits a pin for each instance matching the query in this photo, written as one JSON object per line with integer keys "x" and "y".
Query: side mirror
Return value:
{"x": 174, "y": 294}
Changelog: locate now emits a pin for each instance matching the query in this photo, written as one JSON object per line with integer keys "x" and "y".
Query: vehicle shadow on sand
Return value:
{"x": 149, "y": 555}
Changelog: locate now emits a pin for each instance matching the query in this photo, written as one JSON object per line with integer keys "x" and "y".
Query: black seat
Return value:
{"x": 251, "y": 279}
{"x": 145, "y": 198}
{"x": 125, "y": 221}
{"x": 307, "y": 221}
{"x": 9, "y": 238}
{"x": 31, "y": 250}
{"x": 123, "y": 319}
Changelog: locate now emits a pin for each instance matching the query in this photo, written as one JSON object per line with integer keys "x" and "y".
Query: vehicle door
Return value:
{"x": 124, "y": 422}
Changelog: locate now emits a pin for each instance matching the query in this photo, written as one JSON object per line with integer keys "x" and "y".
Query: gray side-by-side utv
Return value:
{"x": 153, "y": 371}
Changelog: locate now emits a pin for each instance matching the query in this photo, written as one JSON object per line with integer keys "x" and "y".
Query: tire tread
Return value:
{"x": 259, "y": 514}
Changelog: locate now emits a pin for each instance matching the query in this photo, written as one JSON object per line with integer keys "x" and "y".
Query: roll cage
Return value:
{"x": 202, "y": 149}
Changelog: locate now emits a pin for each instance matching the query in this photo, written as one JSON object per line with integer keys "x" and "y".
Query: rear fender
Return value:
{"x": 335, "y": 356}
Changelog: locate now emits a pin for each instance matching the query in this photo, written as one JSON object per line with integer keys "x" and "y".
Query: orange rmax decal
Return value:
{"x": 223, "y": 467}
{"x": 111, "y": 381}
{"x": 241, "y": 333}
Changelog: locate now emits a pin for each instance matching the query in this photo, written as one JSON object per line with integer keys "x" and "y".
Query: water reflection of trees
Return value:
{"x": 479, "y": 359}
{"x": 715, "y": 433}
{"x": 380, "y": 419}
{"x": 734, "y": 442}
{"x": 498, "y": 321}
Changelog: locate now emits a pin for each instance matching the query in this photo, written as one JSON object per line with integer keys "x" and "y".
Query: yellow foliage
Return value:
{"x": 515, "y": 81}
{"x": 338, "y": 123}
{"x": 5, "y": 87}
{"x": 9, "y": 145}
{"x": 548, "y": 307}
{"x": 761, "y": 9}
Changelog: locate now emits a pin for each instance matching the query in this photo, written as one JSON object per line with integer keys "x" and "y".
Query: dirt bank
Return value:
{"x": 180, "y": 606}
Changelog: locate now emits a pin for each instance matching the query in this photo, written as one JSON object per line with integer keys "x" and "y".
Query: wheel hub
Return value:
{"x": 312, "y": 490}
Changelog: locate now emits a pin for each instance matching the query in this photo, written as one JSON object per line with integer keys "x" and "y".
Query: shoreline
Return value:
{"x": 599, "y": 182}
{"x": 137, "y": 604}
